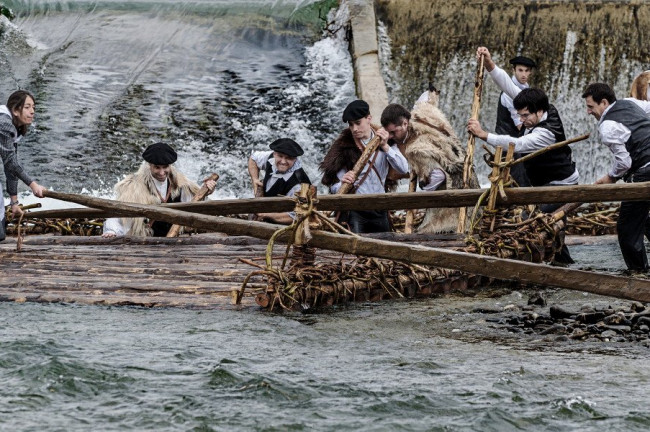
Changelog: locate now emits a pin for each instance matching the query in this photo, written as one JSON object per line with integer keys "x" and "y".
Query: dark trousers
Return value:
{"x": 632, "y": 225}
{"x": 368, "y": 221}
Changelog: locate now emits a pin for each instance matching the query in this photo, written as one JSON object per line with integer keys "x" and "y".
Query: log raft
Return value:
{"x": 196, "y": 272}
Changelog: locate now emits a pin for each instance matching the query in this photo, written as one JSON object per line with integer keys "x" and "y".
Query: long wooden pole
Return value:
{"x": 468, "y": 167}
{"x": 368, "y": 151}
{"x": 597, "y": 283}
{"x": 200, "y": 196}
{"x": 547, "y": 149}
{"x": 389, "y": 201}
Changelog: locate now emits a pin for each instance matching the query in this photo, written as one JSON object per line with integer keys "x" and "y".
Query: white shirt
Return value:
{"x": 373, "y": 184}
{"x": 436, "y": 178}
{"x": 261, "y": 157}
{"x": 506, "y": 101}
{"x": 533, "y": 139}
{"x": 614, "y": 135}
{"x": 121, "y": 226}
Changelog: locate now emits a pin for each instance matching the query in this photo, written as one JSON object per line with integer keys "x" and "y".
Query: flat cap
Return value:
{"x": 524, "y": 61}
{"x": 356, "y": 110}
{"x": 160, "y": 154}
{"x": 287, "y": 146}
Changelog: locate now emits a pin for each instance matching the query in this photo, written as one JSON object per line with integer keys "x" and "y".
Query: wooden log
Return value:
{"x": 200, "y": 196}
{"x": 368, "y": 151}
{"x": 388, "y": 201}
{"x": 597, "y": 283}
{"x": 468, "y": 165}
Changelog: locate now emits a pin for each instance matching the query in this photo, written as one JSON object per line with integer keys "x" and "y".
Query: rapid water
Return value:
{"x": 218, "y": 79}
{"x": 214, "y": 79}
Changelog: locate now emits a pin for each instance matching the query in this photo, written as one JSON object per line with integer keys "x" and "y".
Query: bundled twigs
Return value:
{"x": 67, "y": 226}
{"x": 594, "y": 219}
{"x": 304, "y": 284}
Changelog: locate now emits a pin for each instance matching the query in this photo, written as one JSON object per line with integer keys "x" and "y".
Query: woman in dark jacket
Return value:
{"x": 15, "y": 118}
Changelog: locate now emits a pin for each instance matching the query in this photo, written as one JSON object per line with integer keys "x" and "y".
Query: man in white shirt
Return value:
{"x": 283, "y": 175}
{"x": 156, "y": 181}
{"x": 624, "y": 128}
{"x": 541, "y": 127}
{"x": 508, "y": 121}
{"x": 343, "y": 155}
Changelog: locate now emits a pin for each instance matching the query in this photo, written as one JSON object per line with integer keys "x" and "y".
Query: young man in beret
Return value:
{"x": 508, "y": 121}
{"x": 157, "y": 181}
{"x": 283, "y": 175}
{"x": 343, "y": 155}
{"x": 541, "y": 127}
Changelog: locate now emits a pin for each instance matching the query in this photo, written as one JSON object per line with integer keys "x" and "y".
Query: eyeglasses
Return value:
{"x": 524, "y": 116}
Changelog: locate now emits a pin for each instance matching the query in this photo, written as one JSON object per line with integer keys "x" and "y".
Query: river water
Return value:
{"x": 218, "y": 79}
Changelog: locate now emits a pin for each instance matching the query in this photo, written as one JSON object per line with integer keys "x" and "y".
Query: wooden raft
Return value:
{"x": 197, "y": 272}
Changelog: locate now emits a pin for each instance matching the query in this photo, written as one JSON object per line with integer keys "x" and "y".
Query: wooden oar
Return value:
{"x": 371, "y": 147}
{"x": 388, "y": 201}
{"x": 200, "y": 196}
{"x": 597, "y": 283}
{"x": 468, "y": 166}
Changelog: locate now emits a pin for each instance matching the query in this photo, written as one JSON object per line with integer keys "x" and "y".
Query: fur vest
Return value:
{"x": 432, "y": 144}
{"x": 343, "y": 154}
{"x": 140, "y": 188}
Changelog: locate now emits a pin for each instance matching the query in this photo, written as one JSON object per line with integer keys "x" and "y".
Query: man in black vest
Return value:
{"x": 508, "y": 121}
{"x": 283, "y": 175}
{"x": 541, "y": 127}
{"x": 624, "y": 127}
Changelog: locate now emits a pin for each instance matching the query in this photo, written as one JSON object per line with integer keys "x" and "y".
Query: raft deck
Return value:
{"x": 199, "y": 271}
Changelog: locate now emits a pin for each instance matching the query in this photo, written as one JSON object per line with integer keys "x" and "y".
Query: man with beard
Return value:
{"x": 433, "y": 151}
{"x": 157, "y": 181}
{"x": 343, "y": 155}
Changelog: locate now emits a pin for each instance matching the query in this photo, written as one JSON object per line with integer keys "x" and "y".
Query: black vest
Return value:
{"x": 505, "y": 124}
{"x": 282, "y": 186}
{"x": 555, "y": 164}
{"x": 160, "y": 228}
{"x": 636, "y": 120}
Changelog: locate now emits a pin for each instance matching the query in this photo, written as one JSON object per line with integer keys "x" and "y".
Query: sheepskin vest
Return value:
{"x": 140, "y": 188}
{"x": 432, "y": 143}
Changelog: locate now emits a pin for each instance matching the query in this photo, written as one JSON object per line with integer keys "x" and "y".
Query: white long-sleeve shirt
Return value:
{"x": 533, "y": 139}
{"x": 614, "y": 135}
{"x": 506, "y": 101}
{"x": 373, "y": 184}
{"x": 121, "y": 226}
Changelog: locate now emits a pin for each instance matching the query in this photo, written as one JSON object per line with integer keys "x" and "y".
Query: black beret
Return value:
{"x": 160, "y": 154}
{"x": 356, "y": 110}
{"x": 287, "y": 146}
{"x": 524, "y": 61}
